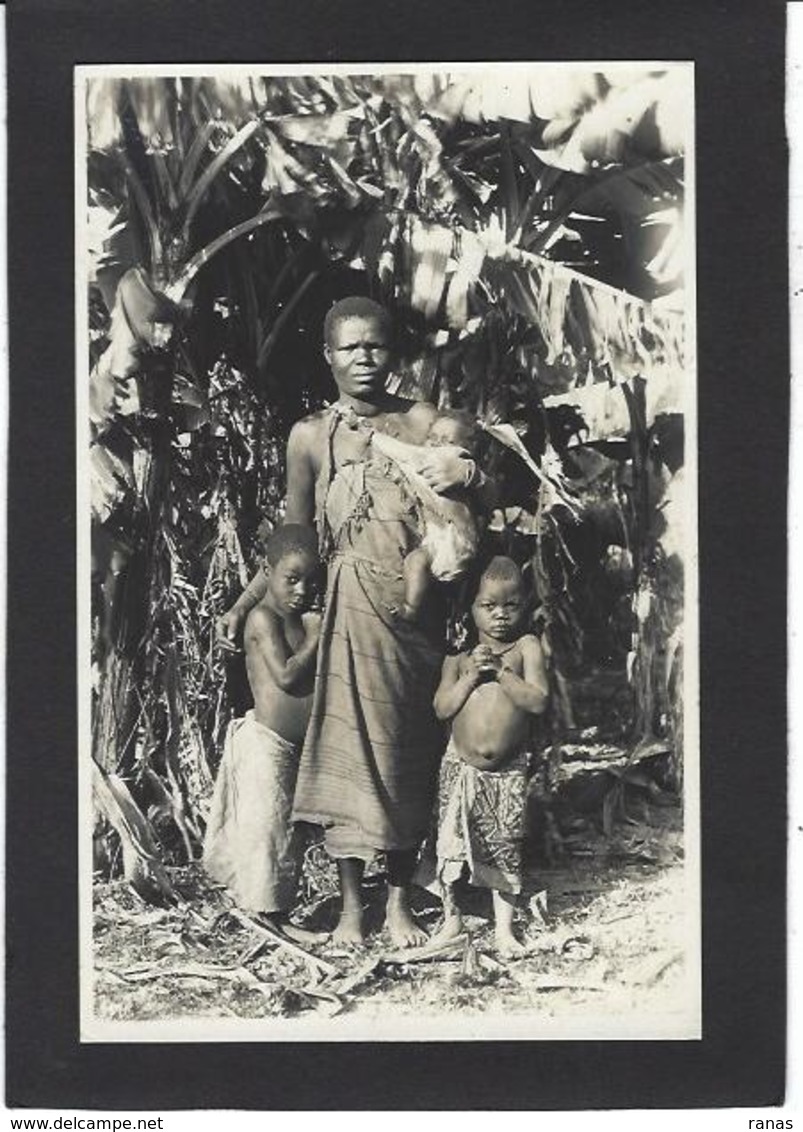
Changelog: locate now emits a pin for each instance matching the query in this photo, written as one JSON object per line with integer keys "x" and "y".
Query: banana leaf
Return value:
{"x": 142, "y": 866}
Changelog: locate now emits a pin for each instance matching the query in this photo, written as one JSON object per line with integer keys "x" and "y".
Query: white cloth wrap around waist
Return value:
{"x": 251, "y": 845}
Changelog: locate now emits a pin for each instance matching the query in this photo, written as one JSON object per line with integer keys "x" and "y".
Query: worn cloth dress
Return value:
{"x": 250, "y": 844}
{"x": 368, "y": 768}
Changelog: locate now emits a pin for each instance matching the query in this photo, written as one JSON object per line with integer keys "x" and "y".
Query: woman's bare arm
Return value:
{"x": 300, "y": 509}
{"x": 229, "y": 624}
{"x": 301, "y": 473}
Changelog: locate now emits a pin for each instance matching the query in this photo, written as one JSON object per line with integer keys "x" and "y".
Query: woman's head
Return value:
{"x": 358, "y": 345}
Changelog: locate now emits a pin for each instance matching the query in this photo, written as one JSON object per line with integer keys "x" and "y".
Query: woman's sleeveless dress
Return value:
{"x": 369, "y": 764}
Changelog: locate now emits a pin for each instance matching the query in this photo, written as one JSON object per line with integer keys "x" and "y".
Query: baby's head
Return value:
{"x": 291, "y": 564}
{"x": 500, "y": 606}
{"x": 453, "y": 426}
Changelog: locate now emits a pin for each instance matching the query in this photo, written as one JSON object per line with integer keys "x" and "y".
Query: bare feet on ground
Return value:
{"x": 504, "y": 910}
{"x": 303, "y": 935}
{"x": 451, "y": 928}
{"x": 349, "y": 928}
{"x": 507, "y": 945}
{"x": 403, "y": 929}
{"x": 280, "y": 923}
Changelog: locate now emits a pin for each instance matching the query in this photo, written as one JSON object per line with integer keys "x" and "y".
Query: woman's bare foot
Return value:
{"x": 302, "y": 935}
{"x": 403, "y": 929}
{"x": 280, "y": 923}
{"x": 349, "y": 928}
{"x": 507, "y": 945}
{"x": 451, "y": 927}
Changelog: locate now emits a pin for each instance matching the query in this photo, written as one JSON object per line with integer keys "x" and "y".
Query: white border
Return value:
{"x": 465, "y": 1028}
{"x": 86, "y": 981}
{"x": 236, "y": 70}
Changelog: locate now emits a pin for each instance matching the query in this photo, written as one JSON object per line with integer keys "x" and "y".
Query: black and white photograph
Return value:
{"x": 387, "y": 520}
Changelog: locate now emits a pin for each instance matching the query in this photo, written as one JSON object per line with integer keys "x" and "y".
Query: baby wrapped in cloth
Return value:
{"x": 449, "y": 530}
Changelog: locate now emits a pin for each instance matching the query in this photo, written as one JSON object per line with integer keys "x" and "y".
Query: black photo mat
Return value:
{"x": 742, "y": 423}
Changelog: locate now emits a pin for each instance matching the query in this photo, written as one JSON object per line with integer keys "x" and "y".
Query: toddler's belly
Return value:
{"x": 490, "y": 729}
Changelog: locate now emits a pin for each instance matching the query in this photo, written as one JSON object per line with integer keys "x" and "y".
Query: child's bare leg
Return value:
{"x": 404, "y": 931}
{"x": 452, "y": 916}
{"x": 349, "y": 926}
{"x": 504, "y": 907}
{"x": 417, "y": 580}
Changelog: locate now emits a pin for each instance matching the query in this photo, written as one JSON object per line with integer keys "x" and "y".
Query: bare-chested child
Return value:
{"x": 251, "y": 845}
{"x": 489, "y": 694}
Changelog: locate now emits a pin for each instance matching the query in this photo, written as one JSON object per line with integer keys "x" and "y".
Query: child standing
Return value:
{"x": 489, "y": 694}
{"x": 250, "y": 844}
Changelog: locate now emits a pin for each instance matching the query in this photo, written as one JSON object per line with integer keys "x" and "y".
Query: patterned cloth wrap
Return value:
{"x": 250, "y": 844}
{"x": 369, "y": 764}
{"x": 481, "y": 822}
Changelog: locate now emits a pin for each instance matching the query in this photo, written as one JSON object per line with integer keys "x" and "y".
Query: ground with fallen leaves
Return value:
{"x": 606, "y": 926}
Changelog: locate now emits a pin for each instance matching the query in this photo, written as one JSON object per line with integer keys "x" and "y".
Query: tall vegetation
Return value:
{"x": 523, "y": 234}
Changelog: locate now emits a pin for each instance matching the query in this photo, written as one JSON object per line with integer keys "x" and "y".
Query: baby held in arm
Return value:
{"x": 449, "y": 527}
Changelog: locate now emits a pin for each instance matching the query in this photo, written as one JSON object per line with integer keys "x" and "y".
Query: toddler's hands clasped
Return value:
{"x": 486, "y": 662}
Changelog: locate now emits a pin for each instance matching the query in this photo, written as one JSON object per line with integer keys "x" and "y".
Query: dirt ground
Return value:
{"x": 606, "y": 929}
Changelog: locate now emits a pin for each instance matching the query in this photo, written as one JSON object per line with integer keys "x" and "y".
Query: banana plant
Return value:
{"x": 218, "y": 208}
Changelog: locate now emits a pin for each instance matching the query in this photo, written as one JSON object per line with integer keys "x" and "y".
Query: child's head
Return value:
{"x": 453, "y": 426}
{"x": 500, "y": 605}
{"x": 291, "y": 564}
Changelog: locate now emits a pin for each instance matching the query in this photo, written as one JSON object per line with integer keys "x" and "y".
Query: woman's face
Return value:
{"x": 360, "y": 354}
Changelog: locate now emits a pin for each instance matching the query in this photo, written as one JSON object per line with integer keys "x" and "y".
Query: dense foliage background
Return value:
{"x": 526, "y": 230}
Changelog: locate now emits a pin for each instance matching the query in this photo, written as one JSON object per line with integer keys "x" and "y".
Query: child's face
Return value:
{"x": 292, "y": 581}
{"x": 499, "y": 608}
{"x": 444, "y": 430}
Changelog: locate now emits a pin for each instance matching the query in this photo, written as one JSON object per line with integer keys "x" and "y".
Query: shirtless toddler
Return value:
{"x": 489, "y": 694}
